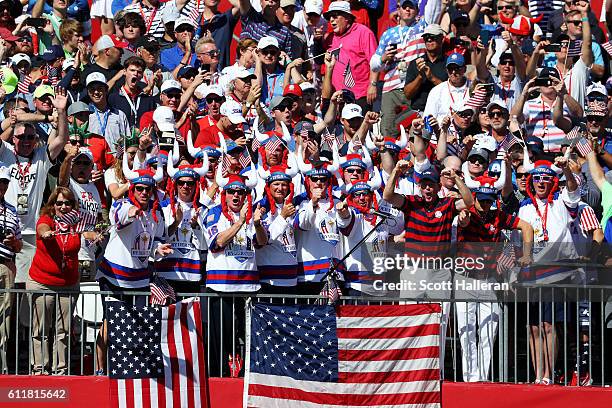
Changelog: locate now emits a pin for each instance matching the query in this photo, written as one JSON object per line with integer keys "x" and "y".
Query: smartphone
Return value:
{"x": 36, "y": 22}
{"x": 489, "y": 88}
{"x": 552, "y": 48}
{"x": 204, "y": 68}
{"x": 485, "y": 37}
{"x": 392, "y": 46}
{"x": 542, "y": 82}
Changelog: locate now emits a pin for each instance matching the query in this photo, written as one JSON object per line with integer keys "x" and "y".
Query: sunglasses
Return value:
{"x": 431, "y": 38}
{"x": 145, "y": 189}
{"x": 67, "y": 203}
{"x": 496, "y": 114}
{"x": 465, "y": 114}
{"x": 448, "y": 175}
{"x": 283, "y": 108}
{"x": 184, "y": 28}
{"x": 24, "y": 39}
{"x": 185, "y": 183}
{"x": 25, "y": 136}
{"x": 212, "y": 53}
{"x": 483, "y": 111}
{"x": 595, "y": 118}
{"x": 82, "y": 163}
{"x": 454, "y": 68}
{"x": 542, "y": 179}
{"x": 505, "y": 7}
{"x": 362, "y": 194}
{"x": 564, "y": 44}
{"x": 575, "y": 22}
{"x": 351, "y": 171}
{"x": 236, "y": 192}
{"x": 319, "y": 179}
{"x": 506, "y": 62}
{"x": 598, "y": 98}
{"x": 521, "y": 175}
{"x": 477, "y": 160}
{"x": 269, "y": 51}
{"x": 211, "y": 99}
{"x": 173, "y": 96}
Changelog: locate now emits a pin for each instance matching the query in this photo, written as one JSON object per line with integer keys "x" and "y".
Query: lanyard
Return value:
{"x": 148, "y": 22}
{"x": 128, "y": 96}
{"x": 23, "y": 172}
{"x": 102, "y": 124}
{"x": 271, "y": 91}
{"x": 544, "y": 119}
{"x": 544, "y": 218}
{"x": 450, "y": 93}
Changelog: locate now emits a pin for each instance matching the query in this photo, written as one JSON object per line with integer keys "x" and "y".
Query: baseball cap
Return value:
{"x": 486, "y": 193}
{"x": 148, "y": 43}
{"x": 95, "y": 77}
{"x": 211, "y": 90}
{"x": 548, "y": 72}
{"x": 233, "y": 111}
{"x": 411, "y": 3}
{"x": 20, "y": 57}
{"x": 9, "y": 80}
{"x": 535, "y": 144}
{"x": 351, "y": 110}
{"x": 430, "y": 174}
{"x": 303, "y": 126}
{"x": 287, "y": 3}
{"x": 307, "y": 86}
{"x": 170, "y": 84}
{"x": 77, "y": 107}
{"x": 276, "y": 101}
{"x": 164, "y": 118}
{"x": 265, "y": 42}
{"x": 497, "y": 102}
{"x": 462, "y": 107}
{"x": 186, "y": 71}
{"x": 243, "y": 73}
{"x": 596, "y": 109}
{"x": 84, "y": 151}
{"x": 479, "y": 152}
{"x": 68, "y": 62}
{"x": 596, "y": 87}
{"x": 292, "y": 89}
{"x": 182, "y": 21}
{"x": 7, "y": 34}
{"x": 434, "y": 29}
{"x": 313, "y": 6}
{"x": 338, "y": 7}
{"x": 455, "y": 58}
{"x": 53, "y": 53}
{"x": 457, "y": 15}
{"x": 109, "y": 41}
{"x": 43, "y": 90}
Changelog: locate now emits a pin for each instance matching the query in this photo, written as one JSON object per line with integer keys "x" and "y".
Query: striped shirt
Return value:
{"x": 9, "y": 224}
{"x": 546, "y": 7}
{"x": 152, "y": 16}
{"x": 539, "y": 123}
{"x": 429, "y": 225}
{"x": 254, "y": 26}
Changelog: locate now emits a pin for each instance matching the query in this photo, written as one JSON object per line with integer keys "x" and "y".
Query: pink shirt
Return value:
{"x": 358, "y": 46}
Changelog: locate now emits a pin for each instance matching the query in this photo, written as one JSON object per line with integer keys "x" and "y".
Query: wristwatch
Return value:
{"x": 373, "y": 83}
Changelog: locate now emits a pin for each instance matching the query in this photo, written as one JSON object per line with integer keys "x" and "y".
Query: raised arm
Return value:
{"x": 59, "y": 138}
{"x": 389, "y": 194}
{"x": 586, "y": 52}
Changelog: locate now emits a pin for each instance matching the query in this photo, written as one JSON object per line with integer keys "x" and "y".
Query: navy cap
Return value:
{"x": 457, "y": 15}
{"x": 53, "y": 53}
{"x": 186, "y": 70}
{"x": 535, "y": 144}
{"x": 430, "y": 174}
{"x": 548, "y": 72}
{"x": 486, "y": 193}
{"x": 148, "y": 43}
{"x": 455, "y": 58}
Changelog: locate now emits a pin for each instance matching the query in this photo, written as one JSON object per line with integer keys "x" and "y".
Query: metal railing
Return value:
{"x": 583, "y": 333}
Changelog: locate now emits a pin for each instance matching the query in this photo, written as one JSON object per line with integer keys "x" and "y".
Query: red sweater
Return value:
{"x": 47, "y": 264}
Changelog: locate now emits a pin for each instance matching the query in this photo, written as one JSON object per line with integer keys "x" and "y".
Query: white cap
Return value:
{"x": 351, "y": 110}
{"x": 5, "y": 173}
{"x": 68, "y": 62}
{"x": 211, "y": 90}
{"x": 596, "y": 87}
{"x": 17, "y": 58}
{"x": 265, "y": 42}
{"x": 169, "y": 14}
{"x": 164, "y": 118}
{"x": 486, "y": 142}
{"x": 170, "y": 84}
{"x": 233, "y": 111}
{"x": 498, "y": 102}
{"x": 109, "y": 41}
{"x": 243, "y": 73}
{"x": 313, "y": 6}
{"x": 95, "y": 77}
{"x": 184, "y": 20}
{"x": 458, "y": 106}
{"x": 305, "y": 86}
{"x": 341, "y": 6}
{"x": 84, "y": 151}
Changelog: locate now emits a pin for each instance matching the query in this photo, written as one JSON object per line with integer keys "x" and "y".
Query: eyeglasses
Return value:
{"x": 269, "y": 51}
{"x": 173, "y": 96}
{"x": 67, "y": 203}
{"x": 185, "y": 183}
{"x": 506, "y": 62}
{"x": 505, "y": 7}
{"x": 211, "y": 99}
{"x": 521, "y": 175}
{"x": 282, "y": 108}
{"x": 431, "y": 38}
{"x": 212, "y": 53}
{"x": 361, "y": 194}
{"x": 82, "y": 163}
{"x": 542, "y": 179}
{"x": 146, "y": 189}
{"x": 465, "y": 114}
{"x": 575, "y": 22}
{"x": 236, "y": 192}
{"x": 351, "y": 171}
{"x": 496, "y": 114}
{"x": 477, "y": 160}
{"x": 319, "y": 179}
{"x": 26, "y": 136}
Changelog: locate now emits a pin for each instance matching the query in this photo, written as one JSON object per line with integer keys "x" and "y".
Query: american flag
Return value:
{"x": 161, "y": 292}
{"x": 331, "y": 290}
{"x": 23, "y": 87}
{"x": 506, "y": 259}
{"x": 321, "y": 356}
{"x": 575, "y": 48}
{"x": 477, "y": 100}
{"x": 255, "y": 145}
{"x": 576, "y": 139}
{"x": 156, "y": 355}
{"x": 584, "y": 147}
{"x": 245, "y": 159}
{"x": 329, "y": 137}
{"x": 608, "y": 47}
{"x": 349, "y": 81}
{"x": 508, "y": 142}
{"x": 87, "y": 221}
{"x": 65, "y": 221}
{"x": 272, "y": 144}
{"x": 410, "y": 45}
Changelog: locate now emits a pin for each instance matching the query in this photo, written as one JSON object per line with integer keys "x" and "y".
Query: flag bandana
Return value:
{"x": 321, "y": 356}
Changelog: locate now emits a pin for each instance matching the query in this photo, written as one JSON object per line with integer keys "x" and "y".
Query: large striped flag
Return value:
{"x": 156, "y": 355}
{"x": 315, "y": 356}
